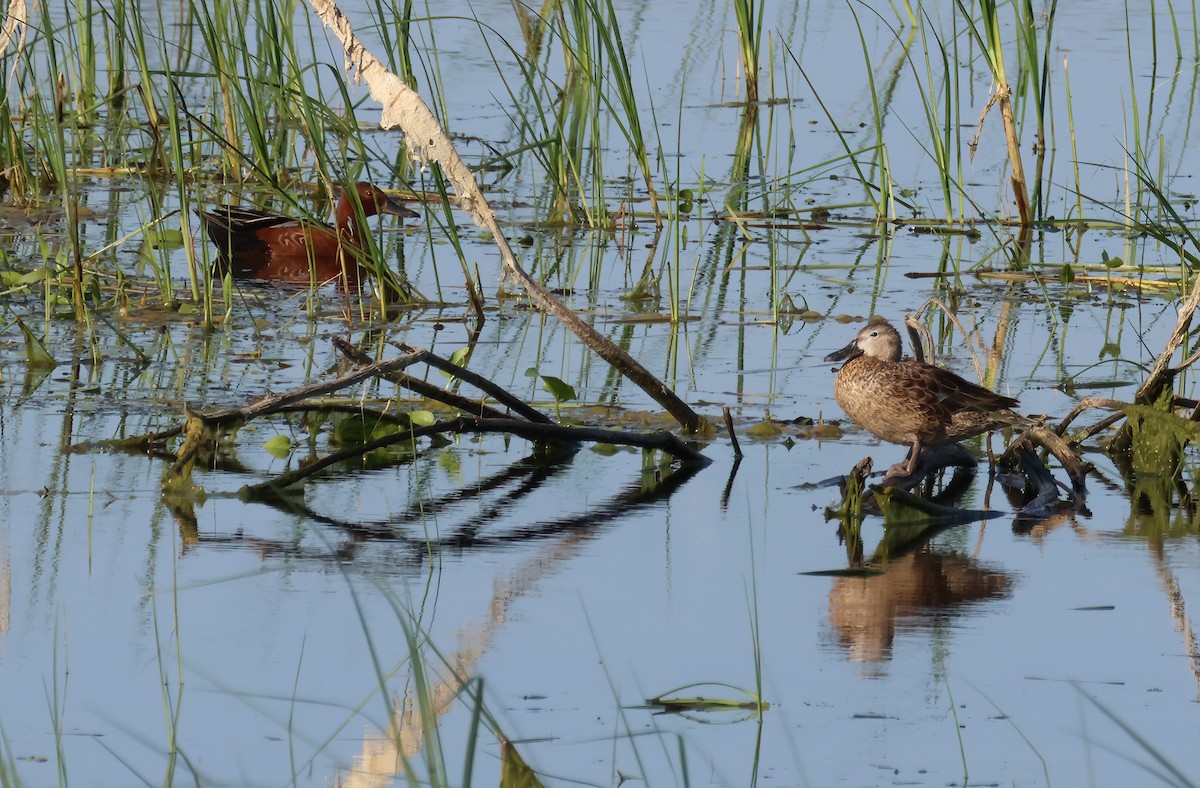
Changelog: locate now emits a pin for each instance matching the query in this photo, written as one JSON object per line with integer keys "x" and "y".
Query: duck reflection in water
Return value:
{"x": 912, "y": 593}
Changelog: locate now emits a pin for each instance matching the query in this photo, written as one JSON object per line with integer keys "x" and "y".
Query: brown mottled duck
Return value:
{"x": 910, "y": 402}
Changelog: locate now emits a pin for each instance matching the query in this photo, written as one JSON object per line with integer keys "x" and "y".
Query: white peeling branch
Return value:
{"x": 14, "y": 26}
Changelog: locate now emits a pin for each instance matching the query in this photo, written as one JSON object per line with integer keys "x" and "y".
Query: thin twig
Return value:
{"x": 471, "y": 407}
{"x": 737, "y": 449}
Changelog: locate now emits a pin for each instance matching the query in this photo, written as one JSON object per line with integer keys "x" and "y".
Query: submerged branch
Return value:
{"x": 203, "y": 431}
{"x": 555, "y": 433}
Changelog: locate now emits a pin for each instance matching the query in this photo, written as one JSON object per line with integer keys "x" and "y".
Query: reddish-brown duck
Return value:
{"x": 261, "y": 245}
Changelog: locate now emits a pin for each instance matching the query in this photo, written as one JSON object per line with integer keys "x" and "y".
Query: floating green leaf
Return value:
{"x": 164, "y": 239}
{"x": 700, "y": 703}
{"x": 361, "y": 428}
{"x": 422, "y": 418}
{"x": 280, "y": 446}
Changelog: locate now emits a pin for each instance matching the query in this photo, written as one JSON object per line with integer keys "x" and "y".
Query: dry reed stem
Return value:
{"x": 1003, "y": 97}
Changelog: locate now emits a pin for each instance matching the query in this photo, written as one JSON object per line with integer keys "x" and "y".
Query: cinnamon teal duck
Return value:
{"x": 261, "y": 245}
{"x": 910, "y": 402}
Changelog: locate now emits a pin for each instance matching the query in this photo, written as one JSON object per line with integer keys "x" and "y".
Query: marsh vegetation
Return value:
{"x": 473, "y": 515}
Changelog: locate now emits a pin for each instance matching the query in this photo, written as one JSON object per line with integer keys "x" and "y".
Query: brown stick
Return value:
{"x": 1087, "y": 403}
{"x": 426, "y": 389}
{"x": 498, "y": 393}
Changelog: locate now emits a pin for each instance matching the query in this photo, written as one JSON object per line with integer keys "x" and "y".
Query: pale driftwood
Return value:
{"x": 404, "y": 109}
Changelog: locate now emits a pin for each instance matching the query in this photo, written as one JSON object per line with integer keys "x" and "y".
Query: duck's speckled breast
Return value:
{"x": 888, "y": 400}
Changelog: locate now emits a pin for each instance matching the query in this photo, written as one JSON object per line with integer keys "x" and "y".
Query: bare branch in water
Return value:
{"x": 403, "y": 108}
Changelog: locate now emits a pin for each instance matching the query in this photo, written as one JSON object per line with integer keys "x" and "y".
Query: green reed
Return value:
{"x": 394, "y": 23}
{"x": 749, "y": 15}
{"x": 884, "y": 204}
{"x": 82, "y": 43}
{"x": 114, "y": 48}
{"x": 578, "y": 120}
{"x": 147, "y": 91}
{"x": 1074, "y": 149}
{"x": 8, "y": 770}
{"x": 560, "y": 124}
{"x": 1035, "y": 69}
{"x": 434, "y": 681}
{"x": 629, "y": 120}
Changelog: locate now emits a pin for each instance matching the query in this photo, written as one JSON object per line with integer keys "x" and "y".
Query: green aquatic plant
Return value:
{"x": 673, "y": 700}
{"x": 557, "y": 388}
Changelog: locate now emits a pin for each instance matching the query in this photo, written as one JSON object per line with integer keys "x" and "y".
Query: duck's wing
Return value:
{"x": 958, "y": 394}
{"x": 232, "y": 219}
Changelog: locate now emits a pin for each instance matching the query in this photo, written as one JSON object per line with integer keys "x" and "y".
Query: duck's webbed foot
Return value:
{"x": 903, "y": 470}
{"x": 909, "y": 474}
